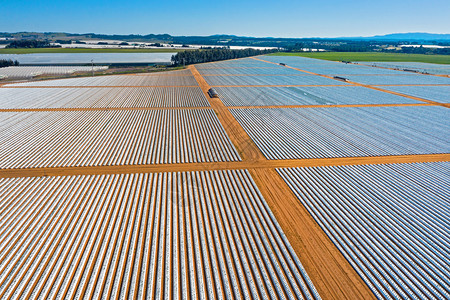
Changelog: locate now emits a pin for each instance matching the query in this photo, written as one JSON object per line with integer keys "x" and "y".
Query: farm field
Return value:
{"x": 164, "y": 239}
{"x": 84, "y": 50}
{"x": 308, "y": 95}
{"x": 415, "y": 66}
{"x": 103, "y": 97}
{"x": 94, "y": 138}
{"x": 289, "y": 133}
{"x": 435, "y": 93}
{"x": 29, "y": 72}
{"x": 372, "y": 56}
{"x": 177, "y": 78}
{"x": 291, "y": 184}
{"x": 391, "y": 222}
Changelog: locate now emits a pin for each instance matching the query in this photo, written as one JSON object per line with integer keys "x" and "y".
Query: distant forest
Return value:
{"x": 8, "y": 62}
{"x": 214, "y": 54}
{"x": 370, "y": 44}
{"x": 31, "y": 44}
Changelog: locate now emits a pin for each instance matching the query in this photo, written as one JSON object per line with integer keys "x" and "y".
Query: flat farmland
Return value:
{"x": 330, "y": 67}
{"x": 215, "y": 80}
{"x": 308, "y": 95}
{"x": 92, "y": 138}
{"x": 28, "y": 72}
{"x": 177, "y": 79}
{"x": 276, "y": 70}
{"x": 435, "y": 93}
{"x": 413, "y": 79}
{"x": 139, "y": 97}
{"x": 291, "y": 184}
{"x": 181, "y": 235}
{"x": 391, "y": 221}
{"x": 289, "y": 133}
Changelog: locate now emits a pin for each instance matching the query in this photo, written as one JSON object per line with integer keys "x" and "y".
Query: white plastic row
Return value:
{"x": 326, "y": 67}
{"x": 292, "y": 133}
{"x": 236, "y": 63}
{"x": 129, "y": 137}
{"x": 244, "y": 70}
{"x": 389, "y": 221}
{"x": 316, "y": 95}
{"x": 13, "y": 98}
{"x": 217, "y": 80}
{"x": 438, "y": 93}
{"x": 417, "y": 66}
{"x": 167, "y": 235}
{"x": 118, "y": 80}
{"x": 31, "y": 71}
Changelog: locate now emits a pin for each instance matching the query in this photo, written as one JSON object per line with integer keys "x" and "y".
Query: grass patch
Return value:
{"x": 84, "y": 50}
{"x": 371, "y": 56}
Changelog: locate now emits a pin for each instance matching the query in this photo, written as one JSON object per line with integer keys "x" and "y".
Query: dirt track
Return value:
{"x": 245, "y": 164}
{"x": 97, "y": 108}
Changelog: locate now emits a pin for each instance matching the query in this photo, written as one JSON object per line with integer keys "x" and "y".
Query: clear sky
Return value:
{"x": 275, "y": 18}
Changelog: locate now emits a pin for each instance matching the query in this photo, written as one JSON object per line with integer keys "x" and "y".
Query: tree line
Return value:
{"x": 426, "y": 50}
{"x": 31, "y": 44}
{"x": 214, "y": 54}
{"x": 8, "y": 62}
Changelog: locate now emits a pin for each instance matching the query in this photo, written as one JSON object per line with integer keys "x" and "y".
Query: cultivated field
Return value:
{"x": 180, "y": 235}
{"x": 29, "y": 72}
{"x": 292, "y": 184}
{"x": 289, "y": 133}
{"x": 372, "y": 56}
{"x": 391, "y": 222}
{"x": 178, "y": 78}
{"x": 102, "y": 97}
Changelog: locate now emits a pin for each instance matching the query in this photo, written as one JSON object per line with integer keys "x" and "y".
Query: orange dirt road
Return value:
{"x": 245, "y": 164}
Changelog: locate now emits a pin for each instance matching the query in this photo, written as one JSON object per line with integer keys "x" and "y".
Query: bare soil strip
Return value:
{"x": 97, "y": 108}
{"x": 365, "y": 85}
{"x": 245, "y": 164}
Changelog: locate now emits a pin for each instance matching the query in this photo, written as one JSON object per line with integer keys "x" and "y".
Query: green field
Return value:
{"x": 372, "y": 56}
{"x": 84, "y": 50}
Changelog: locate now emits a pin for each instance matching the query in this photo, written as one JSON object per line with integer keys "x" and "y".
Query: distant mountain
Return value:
{"x": 332, "y": 44}
{"x": 411, "y": 36}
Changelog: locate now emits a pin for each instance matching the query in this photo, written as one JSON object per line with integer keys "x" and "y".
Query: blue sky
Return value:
{"x": 276, "y": 18}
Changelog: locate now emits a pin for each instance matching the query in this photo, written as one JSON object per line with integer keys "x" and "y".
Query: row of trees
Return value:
{"x": 215, "y": 54}
{"x": 31, "y": 44}
{"x": 8, "y": 62}
{"x": 426, "y": 50}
